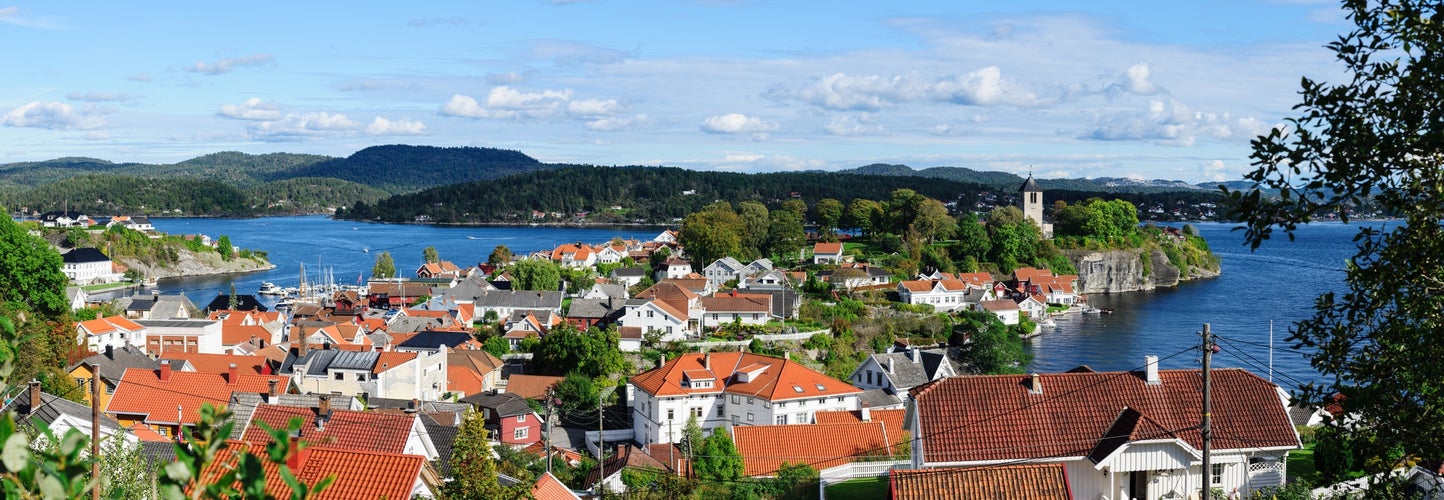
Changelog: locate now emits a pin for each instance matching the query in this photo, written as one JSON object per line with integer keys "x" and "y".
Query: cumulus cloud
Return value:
{"x": 252, "y": 109}
{"x": 139, "y": 77}
{"x": 228, "y": 65}
{"x": 736, "y": 123}
{"x": 1136, "y": 80}
{"x": 844, "y": 92}
{"x": 611, "y": 124}
{"x": 404, "y": 126}
{"x": 95, "y": 96}
{"x": 850, "y": 126}
{"x": 302, "y": 126}
{"x": 52, "y": 115}
{"x": 984, "y": 87}
{"x": 504, "y": 102}
{"x": 1173, "y": 123}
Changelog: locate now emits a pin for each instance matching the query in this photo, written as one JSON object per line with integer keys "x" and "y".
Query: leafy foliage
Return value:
{"x": 594, "y": 353}
{"x": 1374, "y": 136}
{"x": 717, "y": 459}
{"x": 385, "y": 266}
{"x": 536, "y": 274}
{"x": 988, "y": 346}
{"x": 473, "y": 471}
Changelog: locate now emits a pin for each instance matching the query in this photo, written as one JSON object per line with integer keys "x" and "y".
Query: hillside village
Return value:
{"x": 655, "y": 370}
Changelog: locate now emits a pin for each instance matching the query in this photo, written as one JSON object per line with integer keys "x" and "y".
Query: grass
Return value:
{"x": 866, "y": 488}
{"x": 1301, "y": 465}
{"x": 106, "y": 286}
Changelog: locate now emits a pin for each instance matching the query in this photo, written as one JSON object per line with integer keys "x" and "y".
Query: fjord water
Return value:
{"x": 1277, "y": 283}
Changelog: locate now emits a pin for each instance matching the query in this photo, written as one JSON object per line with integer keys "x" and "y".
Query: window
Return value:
{"x": 736, "y": 399}
{"x": 338, "y": 375}
{"x": 697, "y": 412}
{"x": 669, "y": 413}
{"x": 1218, "y": 473}
{"x": 519, "y": 433}
{"x": 649, "y": 314}
{"x": 521, "y": 418}
{"x": 749, "y": 417}
{"x": 782, "y": 420}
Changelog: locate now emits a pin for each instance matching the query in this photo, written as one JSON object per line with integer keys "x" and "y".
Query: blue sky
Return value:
{"x": 1168, "y": 90}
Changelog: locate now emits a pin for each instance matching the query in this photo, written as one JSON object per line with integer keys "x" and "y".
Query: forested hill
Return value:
{"x": 1009, "y": 181}
{"x": 635, "y": 194}
{"x": 277, "y": 183}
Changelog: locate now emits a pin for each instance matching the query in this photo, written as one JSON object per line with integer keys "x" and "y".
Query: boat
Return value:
{"x": 1091, "y": 310}
{"x": 470, "y": 237}
{"x": 148, "y": 283}
{"x": 269, "y": 288}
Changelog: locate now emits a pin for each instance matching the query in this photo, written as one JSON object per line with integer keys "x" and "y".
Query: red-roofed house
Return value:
{"x": 1006, "y": 310}
{"x": 343, "y": 429}
{"x": 765, "y": 447}
{"x": 111, "y": 331}
{"x": 360, "y": 475}
{"x": 944, "y": 295}
{"x": 824, "y": 253}
{"x": 1117, "y": 434}
{"x": 747, "y": 309}
{"x": 1032, "y": 481}
{"x": 443, "y": 269}
{"x": 575, "y": 255}
{"x": 548, "y": 487}
{"x": 731, "y": 387}
{"x": 164, "y": 399}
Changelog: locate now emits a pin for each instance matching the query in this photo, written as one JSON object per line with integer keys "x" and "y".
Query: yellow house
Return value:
{"x": 111, "y": 365}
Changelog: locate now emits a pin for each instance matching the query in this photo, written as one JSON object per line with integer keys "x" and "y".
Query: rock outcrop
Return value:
{"x": 1129, "y": 270}
{"x": 198, "y": 264}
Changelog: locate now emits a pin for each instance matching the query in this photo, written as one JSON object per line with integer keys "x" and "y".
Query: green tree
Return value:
{"x": 718, "y": 459}
{"x": 30, "y": 276}
{"x": 989, "y": 346}
{"x": 473, "y": 471}
{"x": 430, "y": 255}
{"x": 692, "y": 437}
{"x": 1014, "y": 238}
{"x": 864, "y": 215}
{"x": 577, "y": 392}
{"x": 231, "y": 301}
{"x": 500, "y": 256}
{"x": 972, "y": 239}
{"x": 497, "y": 346}
{"x": 785, "y": 234}
{"x": 385, "y": 267}
{"x": 712, "y": 233}
{"x": 224, "y": 247}
{"x": 931, "y": 221}
{"x": 1373, "y": 137}
{"x": 755, "y": 220}
{"x": 594, "y": 352}
{"x": 827, "y": 213}
{"x": 536, "y": 274}
{"x": 796, "y": 206}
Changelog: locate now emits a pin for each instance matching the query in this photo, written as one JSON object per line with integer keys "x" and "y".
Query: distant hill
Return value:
{"x": 1010, "y": 182}
{"x": 270, "y": 183}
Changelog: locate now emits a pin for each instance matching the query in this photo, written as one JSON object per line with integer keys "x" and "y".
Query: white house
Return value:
{"x": 656, "y": 315}
{"x": 1117, "y": 434}
{"x": 610, "y": 254}
{"x": 823, "y": 253}
{"x": 667, "y": 237}
{"x": 1006, "y": 310}
{"x": 722, "y": 270}
{"x": 111, "y": 331}
{"x": 397, "y": 375}
{"x": 944, "y": 295}
{"x": 731, "y": 388}
{"x": 1035, "y": 306}
{"x": 87, "y": 265}
{"x": 575, "y": 255}
{"x": 164, "y": 336}
{"x": 897, "y": 372}
{"x": 746, "y": 309}
{"x": 675, "y": 268}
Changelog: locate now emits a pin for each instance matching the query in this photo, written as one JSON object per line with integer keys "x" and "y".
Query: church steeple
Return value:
{"x": 1030, "y": 201}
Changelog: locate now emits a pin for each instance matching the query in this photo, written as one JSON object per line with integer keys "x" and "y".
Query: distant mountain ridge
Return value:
{"x": 1011, "y": 181}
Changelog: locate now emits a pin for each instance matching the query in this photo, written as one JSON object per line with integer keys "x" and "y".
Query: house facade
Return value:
{"x": 397, "y": 375}
{"x": 731, "y": 388}
{"x": 111, "y": 332}
{"x": 943, "y": 295}
{"x": 87, "y": 265}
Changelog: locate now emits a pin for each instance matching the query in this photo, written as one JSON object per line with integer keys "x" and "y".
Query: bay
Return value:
{"x": 1273, "y": 286}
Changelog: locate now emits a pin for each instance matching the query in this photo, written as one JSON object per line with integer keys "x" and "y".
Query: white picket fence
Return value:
{"x": 854, "y": 470}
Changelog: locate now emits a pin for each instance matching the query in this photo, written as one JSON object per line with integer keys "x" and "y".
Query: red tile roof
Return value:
{"x": 780, "y": 379}
{"x": 347, "y": 430}
{"x": 755, "y": 303}
{"x": 359, "y": 475}
{"x": 548, "y": 487}
{"x": 142, "y": 392}
{"x": 924, "y": 286}
{"x": 220, "y": 363}
{"x": 765, "y": 447}
{"x": 1035, "y": 482}
{"x": 827, "y": 249}
{"x": 232, "y": 333}
{"x": 531, "y": 386}
{"x": 391, "y": 359}
{"x": 998, "y": 417}
{"x": 893, "y": 419}
{"x": 109, "y": 324}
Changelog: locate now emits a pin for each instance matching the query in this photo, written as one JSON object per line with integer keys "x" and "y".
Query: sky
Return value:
{"x": 1058, "y": 89}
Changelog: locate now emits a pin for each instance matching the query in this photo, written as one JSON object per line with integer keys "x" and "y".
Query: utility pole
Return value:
{"x": 94, "y": 434}
{"x": 601, "y": 449}
{"x": 1207, "y": 431}
{"x": 548, "y": 451}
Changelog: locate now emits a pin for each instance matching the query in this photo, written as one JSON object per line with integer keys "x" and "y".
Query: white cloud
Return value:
{"x": 302, "y": 126}
{"x": 984, "y": 87}
{"x": 252, "y": 109}
{"x": 849, "y": 126}
{"x": 1173, "y": 123}
{"x": 98, "y": 96}
{"x": 139, "y": 77}
{"x": 856, "y": 93}
{"x": 228, "y": 65}
{"x": 593, "y": 107}
{"x": 11, "y": 16}
{"x": 736, "y": 123}
{"x": 52, "y": 115}
{"x": 1136, "y": 81}
{"x": 611, "y": 124}
{"x": 404, "y": 126}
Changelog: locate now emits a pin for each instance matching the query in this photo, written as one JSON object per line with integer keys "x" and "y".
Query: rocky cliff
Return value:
{"x": 1130, "y": 270}
{"x": 198, "y": 264}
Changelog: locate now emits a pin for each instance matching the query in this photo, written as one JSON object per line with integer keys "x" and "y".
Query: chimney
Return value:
{"x": 35, "y": 400}
{"x": 232, "y": 374}
{"x": 1037, "y": 386}
{"x": 917, "y": 355}
{"x": 323, "y": 411}
{"x": 109, "y": 351}
{"x": 1150, "y": 370}
{"x": 707, "y": 361}
{"x": 296, "y": 455}
{"x": 889, "y": 365}
{"x": 415, "y": 404}
{"x": 866, "y": 415}
{"x": 662, "y": 362}
{"x": 301, "y": 352}
{"x": 164, "y": 371}
{"x": 271, "y": 393}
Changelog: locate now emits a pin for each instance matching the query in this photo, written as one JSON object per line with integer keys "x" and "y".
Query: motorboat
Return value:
{"x": 269, "y": 288}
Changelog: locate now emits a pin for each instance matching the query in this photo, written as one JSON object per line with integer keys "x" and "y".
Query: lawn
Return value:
{"x": 106, "y": 286}
{"x": 866, "y": 488}
{"x": 1301, "y": 465}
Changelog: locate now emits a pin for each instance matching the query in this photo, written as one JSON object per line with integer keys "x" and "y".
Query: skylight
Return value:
{"x": 797, "y": 388}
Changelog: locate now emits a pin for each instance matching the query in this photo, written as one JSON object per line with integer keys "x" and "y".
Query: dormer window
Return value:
{"x": 820, "y": 388}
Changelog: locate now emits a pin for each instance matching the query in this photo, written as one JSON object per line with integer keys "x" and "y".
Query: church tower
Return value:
{"x": 1030, "y": 201}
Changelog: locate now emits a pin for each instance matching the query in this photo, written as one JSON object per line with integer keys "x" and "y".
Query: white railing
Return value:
{"x": 1265, "y": 474}
{"x": 854, "y": 470}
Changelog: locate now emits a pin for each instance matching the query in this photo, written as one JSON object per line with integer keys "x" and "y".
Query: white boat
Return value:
{"x": 1091, "y": 310}
{"x": 269, "y": 288}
